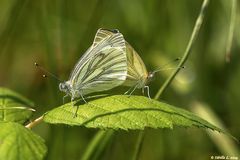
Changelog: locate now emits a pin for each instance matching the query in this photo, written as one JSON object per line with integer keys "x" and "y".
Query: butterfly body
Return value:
{"x": 102, "y": 67}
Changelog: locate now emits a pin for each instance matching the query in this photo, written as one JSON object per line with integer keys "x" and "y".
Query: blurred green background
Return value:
{"x": 56, "y": 33}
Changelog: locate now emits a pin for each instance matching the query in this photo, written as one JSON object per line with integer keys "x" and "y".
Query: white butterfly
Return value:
{"x": 137, "y": 76}
{"x": 102, "y": 67}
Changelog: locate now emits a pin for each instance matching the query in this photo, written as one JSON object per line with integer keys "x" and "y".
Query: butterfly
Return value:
{"x": 137, "y": 75}
{"x": 102, "y": 67}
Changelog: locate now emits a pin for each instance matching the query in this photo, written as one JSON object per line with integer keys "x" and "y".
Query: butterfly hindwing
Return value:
{"x": 137, "y": 71}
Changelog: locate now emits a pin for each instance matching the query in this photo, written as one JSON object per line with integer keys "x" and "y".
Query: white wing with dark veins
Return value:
{"x": 103, "y": 66}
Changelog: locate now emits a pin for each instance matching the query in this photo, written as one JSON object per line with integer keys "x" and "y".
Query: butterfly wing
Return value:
{"x": 103, "y": 66}
{"x": 100, "y": 39}
{"x": 137, "y": 72}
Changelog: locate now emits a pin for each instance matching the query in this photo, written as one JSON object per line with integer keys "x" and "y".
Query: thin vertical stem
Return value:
{"x": 99, "y": 141}
{"x": 231, "y": 31}
{"x": 138, "y": 145}
{"x": 187, "y": 52}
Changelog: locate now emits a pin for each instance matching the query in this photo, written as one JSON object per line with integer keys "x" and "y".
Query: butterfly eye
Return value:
{"x": 62, "y": 87}
{"x": 150, "y": 75}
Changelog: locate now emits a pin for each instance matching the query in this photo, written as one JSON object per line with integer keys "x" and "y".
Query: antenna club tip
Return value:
{"x": 177, "y": 59}
{"x": 32, "y": 109}
{"x": 183, "y": 67}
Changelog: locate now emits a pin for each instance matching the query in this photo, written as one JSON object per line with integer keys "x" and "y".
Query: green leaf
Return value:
{"x": 18, "y": 142}
{"x": 123, "y": 112}
{"x": 14, "y": 107}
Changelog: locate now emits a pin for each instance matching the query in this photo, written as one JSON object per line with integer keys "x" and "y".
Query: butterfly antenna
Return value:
{"x": 164, "y": 69}
{"x": 46, "y": 71}
{"x": 167, "y": 64}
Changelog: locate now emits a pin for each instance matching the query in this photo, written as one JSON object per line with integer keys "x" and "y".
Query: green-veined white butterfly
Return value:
{"x": 138, "y": 76}
{"x": 102, "y": 67}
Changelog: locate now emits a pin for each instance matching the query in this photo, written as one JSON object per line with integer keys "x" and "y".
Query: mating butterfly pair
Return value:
{"x": 109, "y": 62}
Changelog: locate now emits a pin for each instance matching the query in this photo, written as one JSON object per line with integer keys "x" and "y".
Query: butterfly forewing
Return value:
{"x": 103, "y": 66}
{"x": 113, "y": 76}
{"x": 102, "y": 34}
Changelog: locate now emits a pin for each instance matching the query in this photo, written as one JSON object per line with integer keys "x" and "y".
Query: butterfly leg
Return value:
{"x": 75, "y": 114}
{"x": 128, "y": 90}
{"x": 147, "y": 91}
{"x": 83, "y": 98}
{"x": 135, "y": 87}
{"x": 64, "y": 98}
{"x": 143, "y": 90}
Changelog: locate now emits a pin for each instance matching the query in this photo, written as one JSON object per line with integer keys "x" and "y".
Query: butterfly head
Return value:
{"x": 150, "y": 76}
{"x": 64, "y": 86}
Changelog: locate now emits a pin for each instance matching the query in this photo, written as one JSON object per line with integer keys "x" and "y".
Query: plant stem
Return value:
{"x": 231, "y": 31}
{"x": 187, "y": 52}
{"x": 35, "y": 122}
{"x": 138, "y": 145}
{"x": 99, "y": 141}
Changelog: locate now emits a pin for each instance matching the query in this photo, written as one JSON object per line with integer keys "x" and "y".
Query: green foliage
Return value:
{"x": 18, "y": 142}
{"x": 57, "y": 33}
{"x": 14, "y": 107}
{"x": 123, "y": 112}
